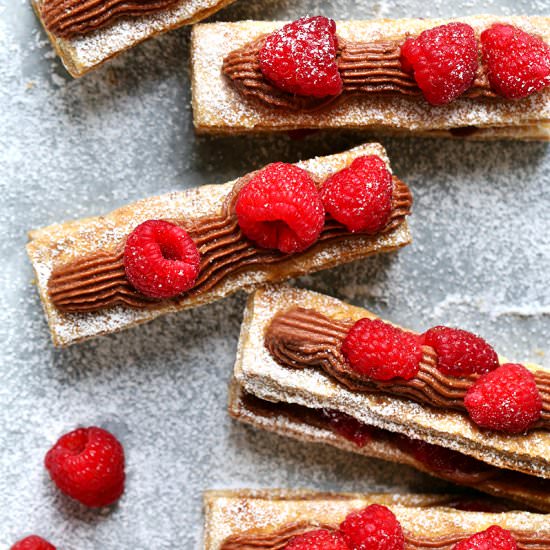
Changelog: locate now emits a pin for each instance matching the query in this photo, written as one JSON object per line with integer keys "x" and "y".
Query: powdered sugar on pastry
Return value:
{"x": 218, "y": 107}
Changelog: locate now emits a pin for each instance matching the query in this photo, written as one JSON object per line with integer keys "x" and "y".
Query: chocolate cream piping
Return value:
{"x": 277, "y": 540}
{"x": 365, "y": 68}
{"x": 99, "y": 281}
{"x": 68, "y": 18}
{"x": 301, "y": 338}
{"x": 477, "y": 474}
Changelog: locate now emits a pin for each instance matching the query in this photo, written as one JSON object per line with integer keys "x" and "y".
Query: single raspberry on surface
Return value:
{"x": 381, "y": 351}
{"x": 348, "y": 427}
{"x": 33, "y": 542}
{"x": 517, "y": 63}
{"x": 320, "y": 539}
{"x": 300, "y": 58}
{"x": 161, "y": 260}
{"x": 360, "y": 196}
{"x": 493, "y": 538}
{"x": 505, "y": 399}
{"x": 87, "y": 464}
{"x": 373, "y": 528}
{"x": 281, "y": 208}
{"x": 460, "y": 352}
{"x": 443, "y": 61}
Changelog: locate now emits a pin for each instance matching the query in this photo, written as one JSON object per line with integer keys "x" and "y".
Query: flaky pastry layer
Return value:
{"x": 81, "y": 54}
{"x": 281, "y": 424}
{"x": 234, "y": 512}
{"x": 58, "y": 244}
{"x": 257, "y": 373}
{"x": 219, "y": 108}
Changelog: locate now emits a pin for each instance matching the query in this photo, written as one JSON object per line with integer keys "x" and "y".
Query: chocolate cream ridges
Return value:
{"x": 69, "y": 18}
{"x": 99, "y": 281}
{"x": 277, "y": 540}
{"x": 365, "y": 68}
{"x": 301, "y": 338}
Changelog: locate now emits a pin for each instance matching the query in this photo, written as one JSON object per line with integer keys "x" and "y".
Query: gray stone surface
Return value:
{"x": 69, "y": 149}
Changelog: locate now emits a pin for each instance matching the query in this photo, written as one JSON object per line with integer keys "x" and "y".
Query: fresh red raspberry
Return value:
{"x": 518, "y": 63}
{"x": 505, "y": 399}
{"x": 321, "y": 539}
{"x": 348, "y": 427}
{"x": 360, "y": 196}
{"x": 460, "y": 352}
{"x": 161, "y": 260}
{"x": 493, "y": 538}
{"x": 443, "y": 61}
{"x": 300, "y": 58}
{"x": 373, "y": 528}
{"x": 88, "y": 465}
{"x": 381, "y": 351}
{"x": 281, "y": 208}
{"x": 33, "y": 542}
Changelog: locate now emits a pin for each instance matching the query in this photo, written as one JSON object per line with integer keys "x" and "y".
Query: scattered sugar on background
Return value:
{"x": 69, "y": 149}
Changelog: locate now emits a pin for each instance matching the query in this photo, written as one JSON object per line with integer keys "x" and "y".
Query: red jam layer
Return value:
{"x": 436, "y": 460}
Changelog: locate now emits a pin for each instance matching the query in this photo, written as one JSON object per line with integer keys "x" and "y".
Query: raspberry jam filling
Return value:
{"x": 70, "y": 18}
{"x": 303, "y": 338}
{"x": 100, "y": 280}
{"x": 440, "y": 65}
{"x": 375, "y": 526}
{"x": 436, "y": 460}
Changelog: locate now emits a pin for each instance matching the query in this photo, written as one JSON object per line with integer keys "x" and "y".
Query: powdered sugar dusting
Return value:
{"x": 240, "y": 511}
{"x": 83, "y": 53}
{"x": 70, "y": 149}
{"x": 219, "y": 108}
{"x": 259, "y": 374}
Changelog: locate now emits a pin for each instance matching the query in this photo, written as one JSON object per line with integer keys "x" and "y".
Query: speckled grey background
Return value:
{"x": 68, "y": 149}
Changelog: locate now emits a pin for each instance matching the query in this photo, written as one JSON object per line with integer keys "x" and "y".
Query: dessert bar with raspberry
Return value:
{"x": 295, "y": 520}
{"x": 184, "y": 249}
{"x": 317, "y": 369}
{"x": 480, "y": 77}
{"x": 85, "y": 35}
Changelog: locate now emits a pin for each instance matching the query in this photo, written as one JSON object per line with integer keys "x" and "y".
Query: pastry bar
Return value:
{"x": 239, "y": 84}
{"x": 184, "y": 249}
{"x": 87, "y": 34}
{"x": 283, "y": 383}
{"x": 278, "y": 519}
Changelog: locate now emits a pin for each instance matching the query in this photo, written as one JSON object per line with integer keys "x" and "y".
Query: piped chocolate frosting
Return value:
{"x": 99, "y": 281}
{"x": 304, "y": 338}
{"x": 69, "y": 18}
{"x": 366, "y": 68}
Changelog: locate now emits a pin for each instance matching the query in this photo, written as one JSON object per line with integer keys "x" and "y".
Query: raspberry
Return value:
{"x": 381, "y": 351}
{"x": 88, "y": 465}
{"x": 300, "y": 58}
{"x": 161, "y": 260}
{"x": 33, "y": 542}
{"x": 494, "y": 538}
{"x": 373, "y": 528}
{"x": 505, "y": 399}
{"x": 322, "y": 539}
{"x": 518, "y": 63}
{"x": 443, "y": 61}
{"x": 281, "y": 208}
{"x": 360, "y": 196}
{"x": 460, "y": 352}
{"x": 348, "y": 427}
